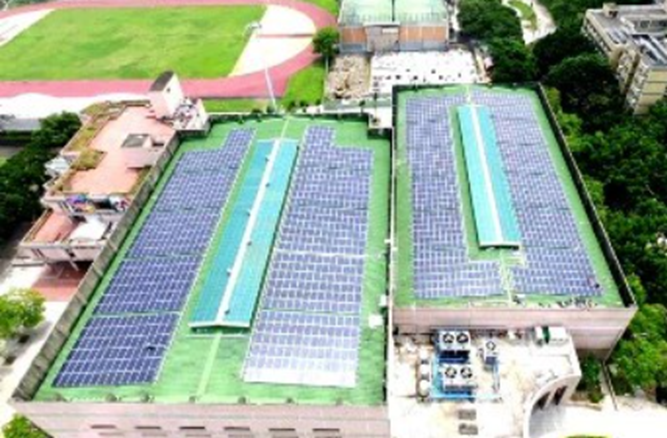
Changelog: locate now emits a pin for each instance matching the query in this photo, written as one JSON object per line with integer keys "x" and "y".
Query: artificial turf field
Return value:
{"x": 129, "y": 43}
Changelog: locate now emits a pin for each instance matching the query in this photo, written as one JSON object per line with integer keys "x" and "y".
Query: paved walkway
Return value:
{"x": 248, "y": 85}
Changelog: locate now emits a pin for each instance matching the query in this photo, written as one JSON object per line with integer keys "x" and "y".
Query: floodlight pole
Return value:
{"x": 252, "y": 28}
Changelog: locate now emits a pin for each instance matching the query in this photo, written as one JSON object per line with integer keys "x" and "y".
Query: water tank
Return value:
{"x": 424, "y": 356}
{"x": 424, "y": 370}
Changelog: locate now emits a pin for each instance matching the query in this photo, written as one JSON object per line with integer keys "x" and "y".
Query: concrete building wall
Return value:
{"x": 651, "y": 86}
{"x": 594, "y": 330}
{"x": 393, "y": 37}
{"x": 423, "y": 37}
{"x": 79, "y": 420}
{"x": 165, "y": 100}
{"x": 352, "y": 39}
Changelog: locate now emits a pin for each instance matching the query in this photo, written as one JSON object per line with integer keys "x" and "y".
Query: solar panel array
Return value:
{"x": 441, "y": 265}
{"x": 557, "y": 263}
{"x": 118, "y": 350}
{"x": 308, "y": 327}
{"x": 124, "y": 342}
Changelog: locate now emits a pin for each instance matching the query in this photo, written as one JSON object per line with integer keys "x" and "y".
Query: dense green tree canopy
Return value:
{"x": 565, "y": 42}
{"x": 488, "y": 19}
{"x": 19, "y": 309}
{"x": 21, "y": 427}
{"x": 22, "y": 176}
{"x": 325, "y": 42}
{"x": 512, "y": 61}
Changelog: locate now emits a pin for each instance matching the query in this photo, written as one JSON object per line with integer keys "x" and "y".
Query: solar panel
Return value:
{"x": 556, "y": 264}
{"x": 307, "y": 330}
{"x": 154, "y": 278}
{"x": 168, "y": 233}
{"x": 141, "y": 286}
{"x": 118, "y": 351}
{"x": 546, "y": 224}
{"x": 304, "y": 349}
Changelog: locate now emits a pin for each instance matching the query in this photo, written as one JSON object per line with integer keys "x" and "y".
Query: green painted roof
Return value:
{"x": 208, "y": 366}
{"x": 405, "y": 296}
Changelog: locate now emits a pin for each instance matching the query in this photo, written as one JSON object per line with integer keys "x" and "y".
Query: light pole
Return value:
{"x": 253, "y": 27}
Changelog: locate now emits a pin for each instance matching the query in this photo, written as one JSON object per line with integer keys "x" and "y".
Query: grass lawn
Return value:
{"x": 2, "y": 161}
{"x": 235, "y": 105}
{"x": 305, "y": 86}
{"x": 128, "y": 43}
{"x": 525, "y": 11}
{"x": 329, "y": 5}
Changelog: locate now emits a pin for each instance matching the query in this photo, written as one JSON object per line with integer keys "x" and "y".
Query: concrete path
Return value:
{"x": 245, "y": 85}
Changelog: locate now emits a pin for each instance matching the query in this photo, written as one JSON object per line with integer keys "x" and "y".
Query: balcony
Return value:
{"x": 56, "y": 237}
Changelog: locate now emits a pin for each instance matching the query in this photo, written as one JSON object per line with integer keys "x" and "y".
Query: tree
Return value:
{"x": 566, "y": 42}
{"x": 489, "y": 19}
{"x": 22, "y": 176}
{"x": 641, "y": 357}
{"x": 587, "y": 86}
{"x": 325, "y": 42}
{"x": 590, "y": 378}
{"x": 56, "y": 130}
{"x": 19, "y": 309}
{"x": 21, "y": 427}
{"x": 512, "y": 61}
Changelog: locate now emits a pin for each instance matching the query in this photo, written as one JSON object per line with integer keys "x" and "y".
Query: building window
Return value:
{"x": 103, "y": 427}
{"x": 327, "y": 433}
{"x": 148, "y": 428}
{"x": 238, "y": 432}
{"x": 283, "y": 433}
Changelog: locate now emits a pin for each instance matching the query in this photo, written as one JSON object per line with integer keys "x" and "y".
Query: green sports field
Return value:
{"x": 130, "y": 43}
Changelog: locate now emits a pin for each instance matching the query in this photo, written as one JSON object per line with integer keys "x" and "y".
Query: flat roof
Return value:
{"x": 111, "y": 175}
{"x": 386, "y": 11}
{"x": 439, "y": 266}
{"x": 420, "y": 11}
{"x": 366, "y": 11}
{"x": 208, "y": 366}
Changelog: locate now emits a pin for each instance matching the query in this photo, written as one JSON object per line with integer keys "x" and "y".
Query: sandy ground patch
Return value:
{"x": 40, "y": 105}
{"x": 285, "y": 32}
{"x": 10, "y": 27}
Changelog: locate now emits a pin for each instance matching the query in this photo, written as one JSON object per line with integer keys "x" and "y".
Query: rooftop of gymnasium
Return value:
{"x": 140, "y": 316}
{"x": 488, "y": 210}
{"x": 387, "y": 11}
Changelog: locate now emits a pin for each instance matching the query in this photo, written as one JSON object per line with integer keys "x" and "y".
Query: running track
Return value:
{"x": 250, "y": 85}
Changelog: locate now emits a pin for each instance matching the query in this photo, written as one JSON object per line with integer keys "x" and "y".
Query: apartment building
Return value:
{"x": 634, "y": 40}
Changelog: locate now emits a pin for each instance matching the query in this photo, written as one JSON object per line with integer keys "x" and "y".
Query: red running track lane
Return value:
{"x": 249, "y": 85}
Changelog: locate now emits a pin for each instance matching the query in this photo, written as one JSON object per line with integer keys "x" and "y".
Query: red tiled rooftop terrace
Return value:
{"x": 112, "y": 175}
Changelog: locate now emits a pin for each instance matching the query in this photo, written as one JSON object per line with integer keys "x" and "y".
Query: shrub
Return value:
{"x": 21, "y": 427}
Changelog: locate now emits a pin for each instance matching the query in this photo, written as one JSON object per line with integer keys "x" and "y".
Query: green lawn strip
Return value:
{"x": 306, "y": 86}
{"x": 328, "y": 5}
{"x": 527, "y": 13}
{"x": 130, "y": 43}
{"x": 235, "y": 105}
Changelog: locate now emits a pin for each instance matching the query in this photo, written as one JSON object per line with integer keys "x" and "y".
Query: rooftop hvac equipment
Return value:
{"x": 558, "y": 336}
{"x": 457, "y": 380}
{"x": 453, "y": 346}
{"x": 490, "y": 354}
